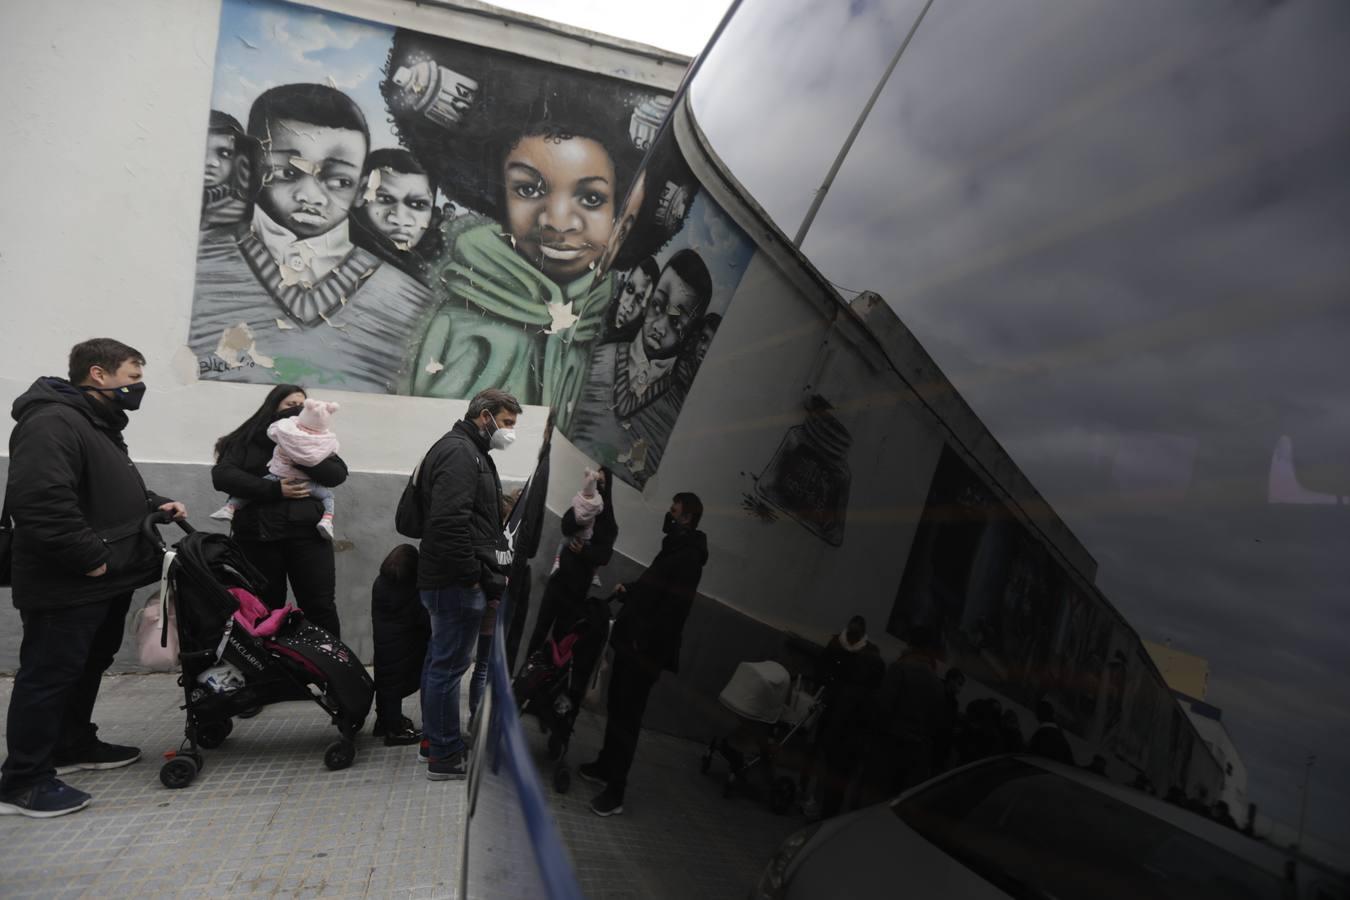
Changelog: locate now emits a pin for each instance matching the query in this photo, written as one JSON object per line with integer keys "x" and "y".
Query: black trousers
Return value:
{"x": 62, "y": 659}
{"x": 307, "y": 562}
{"x": 630, "y": 684}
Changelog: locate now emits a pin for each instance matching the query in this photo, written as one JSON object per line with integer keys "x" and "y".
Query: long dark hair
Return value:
{"x": 257, "y": 423}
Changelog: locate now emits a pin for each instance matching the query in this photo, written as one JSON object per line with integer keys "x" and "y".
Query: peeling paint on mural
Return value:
{"x": 677, "y": 259}
{"x": 389, "y": 211}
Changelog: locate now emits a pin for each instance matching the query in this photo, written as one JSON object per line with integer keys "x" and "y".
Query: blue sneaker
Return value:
{"x": 44, "y": 800}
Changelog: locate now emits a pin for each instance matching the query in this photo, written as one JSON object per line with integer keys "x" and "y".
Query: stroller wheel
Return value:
{"x": 339, "y": 755}
{"x": 784, "y": 792}
{"x": 212, "y": 734}
{"x": 178, "y": 772}
{"x": 562, "y": 779}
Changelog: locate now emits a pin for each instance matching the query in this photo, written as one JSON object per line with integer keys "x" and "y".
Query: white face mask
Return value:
{"x": 501, "y": 438}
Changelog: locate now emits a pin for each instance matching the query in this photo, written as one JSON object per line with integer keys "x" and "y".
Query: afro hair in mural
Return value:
{"x": 460, "y": 109}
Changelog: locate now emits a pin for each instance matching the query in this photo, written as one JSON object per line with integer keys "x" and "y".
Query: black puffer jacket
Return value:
{"x": 270, "y": 517}
{"x": 651, "y": 622}
{"x": 77, "y": 500}
{"x": 462, "y": 528}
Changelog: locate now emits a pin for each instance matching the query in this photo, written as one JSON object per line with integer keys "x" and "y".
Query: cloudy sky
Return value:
{"x": 1121, "y": 230}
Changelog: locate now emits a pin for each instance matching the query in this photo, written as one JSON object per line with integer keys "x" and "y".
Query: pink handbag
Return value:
{"x": 149, "y": 631}
{"x": 150, "y": 625}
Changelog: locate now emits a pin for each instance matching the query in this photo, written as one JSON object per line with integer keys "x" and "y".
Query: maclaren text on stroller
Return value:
{"x": 771, "y": 710}
{"x": 556, "y": 676}
{"x": 237, "y": 654}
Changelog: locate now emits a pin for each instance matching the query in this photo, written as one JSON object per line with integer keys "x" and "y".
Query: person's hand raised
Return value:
{"x": 293, "y": 489}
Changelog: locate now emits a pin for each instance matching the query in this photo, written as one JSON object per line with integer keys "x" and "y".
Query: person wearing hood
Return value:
{"x": 77, "y": 503}
{"x": 463, "y": 558}
{"x": 646, "y": 639}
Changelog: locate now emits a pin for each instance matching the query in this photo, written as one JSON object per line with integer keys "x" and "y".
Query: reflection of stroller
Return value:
{"x": 771, "y": 710}
{"x": 238, "y": 655}
{"x": 554, "y": 680}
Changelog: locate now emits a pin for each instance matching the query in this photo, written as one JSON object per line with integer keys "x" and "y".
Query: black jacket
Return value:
{"x": 651, "y": 622}
{"x": 462, "y": 502}
{"x": 270, "y": 517}
{"x": 77, "y": 500}
{"x": 400, "y": 629}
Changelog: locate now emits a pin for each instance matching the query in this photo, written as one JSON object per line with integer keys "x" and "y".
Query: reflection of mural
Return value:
{"x": 1002, "y": 608}
{"x": 676, "y": 260}
{"x": 808, "y": 477}
{"x": 402, "y": 212}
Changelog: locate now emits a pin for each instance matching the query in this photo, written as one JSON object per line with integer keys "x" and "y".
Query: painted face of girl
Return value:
{"x": 559, "y": 202}
{"x": 633, "y": 297}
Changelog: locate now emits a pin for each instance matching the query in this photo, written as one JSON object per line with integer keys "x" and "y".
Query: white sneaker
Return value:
{"x": 326, "y": 528}
{"x": 225, "y": 513}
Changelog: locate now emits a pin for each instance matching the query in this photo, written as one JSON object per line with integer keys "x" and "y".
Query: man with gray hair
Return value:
{"x": 459, "y": 494}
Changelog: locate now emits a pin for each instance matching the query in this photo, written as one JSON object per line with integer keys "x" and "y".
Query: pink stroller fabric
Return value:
{"x": 255, "y": 618}
{"x": 562, "y": 650}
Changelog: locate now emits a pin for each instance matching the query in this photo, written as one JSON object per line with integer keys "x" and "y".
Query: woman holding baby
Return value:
{"x": 277, "y": 468}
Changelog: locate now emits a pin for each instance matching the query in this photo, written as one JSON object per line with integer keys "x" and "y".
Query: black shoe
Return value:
{"x": 592, "y": 772}
{"x": 248, "y": 713}
{"x": 453, "y": 768}
{"x": 44, "y": 800}
{"x": 404, "y": 735}
{"x": 608, "y": 802}
{"x": 98, "y": 755}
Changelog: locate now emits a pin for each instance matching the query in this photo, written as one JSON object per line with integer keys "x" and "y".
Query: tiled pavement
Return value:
{"x": 266, "y": 819}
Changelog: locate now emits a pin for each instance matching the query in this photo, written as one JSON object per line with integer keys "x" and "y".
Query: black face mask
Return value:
{"x": 672, "y": 525}
{"x": 128, "y": 396}
{"x": 287, "y": 413}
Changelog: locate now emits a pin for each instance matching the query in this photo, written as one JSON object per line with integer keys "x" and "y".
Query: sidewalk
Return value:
{"x": 266, "y": 819}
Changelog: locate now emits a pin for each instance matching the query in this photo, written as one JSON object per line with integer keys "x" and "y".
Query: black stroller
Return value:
{"x": 555, "y": 678}
{"x": 228, "y": 668}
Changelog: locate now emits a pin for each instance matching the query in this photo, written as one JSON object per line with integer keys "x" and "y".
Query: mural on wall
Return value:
{"x": 389, "y": 211}
{"x": 675, "y": 262}
{"x": 998, "y": 604}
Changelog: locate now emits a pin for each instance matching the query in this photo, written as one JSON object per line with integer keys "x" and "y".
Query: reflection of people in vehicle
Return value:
{"x": 634, "y": 390}
{"x": 629, "y": 306}
{"x": 226, "y": 183}
{"x": 520, "y": 316}
{"x": 297, "y": 261}
{"x": 396, "y": 211}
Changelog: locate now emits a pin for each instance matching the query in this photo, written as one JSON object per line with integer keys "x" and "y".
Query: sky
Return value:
{"x": 647, "y": 23}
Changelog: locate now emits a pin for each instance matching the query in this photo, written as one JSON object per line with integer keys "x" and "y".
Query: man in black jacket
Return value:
{"x": 77, "y": 502}
{"x": 460, "y": 566}
{"x": 646, "y": 640}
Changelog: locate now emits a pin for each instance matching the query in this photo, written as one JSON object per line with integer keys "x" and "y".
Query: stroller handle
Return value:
{"x": 150, "y": 526}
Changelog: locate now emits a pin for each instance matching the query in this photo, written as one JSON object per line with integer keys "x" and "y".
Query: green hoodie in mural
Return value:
{"x": 504, "y": 324}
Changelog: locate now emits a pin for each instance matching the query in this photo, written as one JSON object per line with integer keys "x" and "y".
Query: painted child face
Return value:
{"x": 312, "y": 175}
{"x": 705, "y": 339}
{"x": 669, "y": 316}
{"x": 219, "y": 158}
{"x": 626, "y": 222}
{"x": 559, "y": 203}
{"x": 401, "y": 210}
{"x": 633, "y": 297}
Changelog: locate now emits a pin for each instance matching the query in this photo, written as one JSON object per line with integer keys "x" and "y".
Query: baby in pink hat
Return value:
{"x": 587, "y": 505}
{"x": 303, "y": 440}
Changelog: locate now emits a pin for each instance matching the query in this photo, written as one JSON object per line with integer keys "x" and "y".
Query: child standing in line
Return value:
{"x": 302, "y": 440}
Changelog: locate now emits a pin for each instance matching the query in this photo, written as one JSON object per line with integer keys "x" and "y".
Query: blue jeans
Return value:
{"x": 456, "y": 613}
